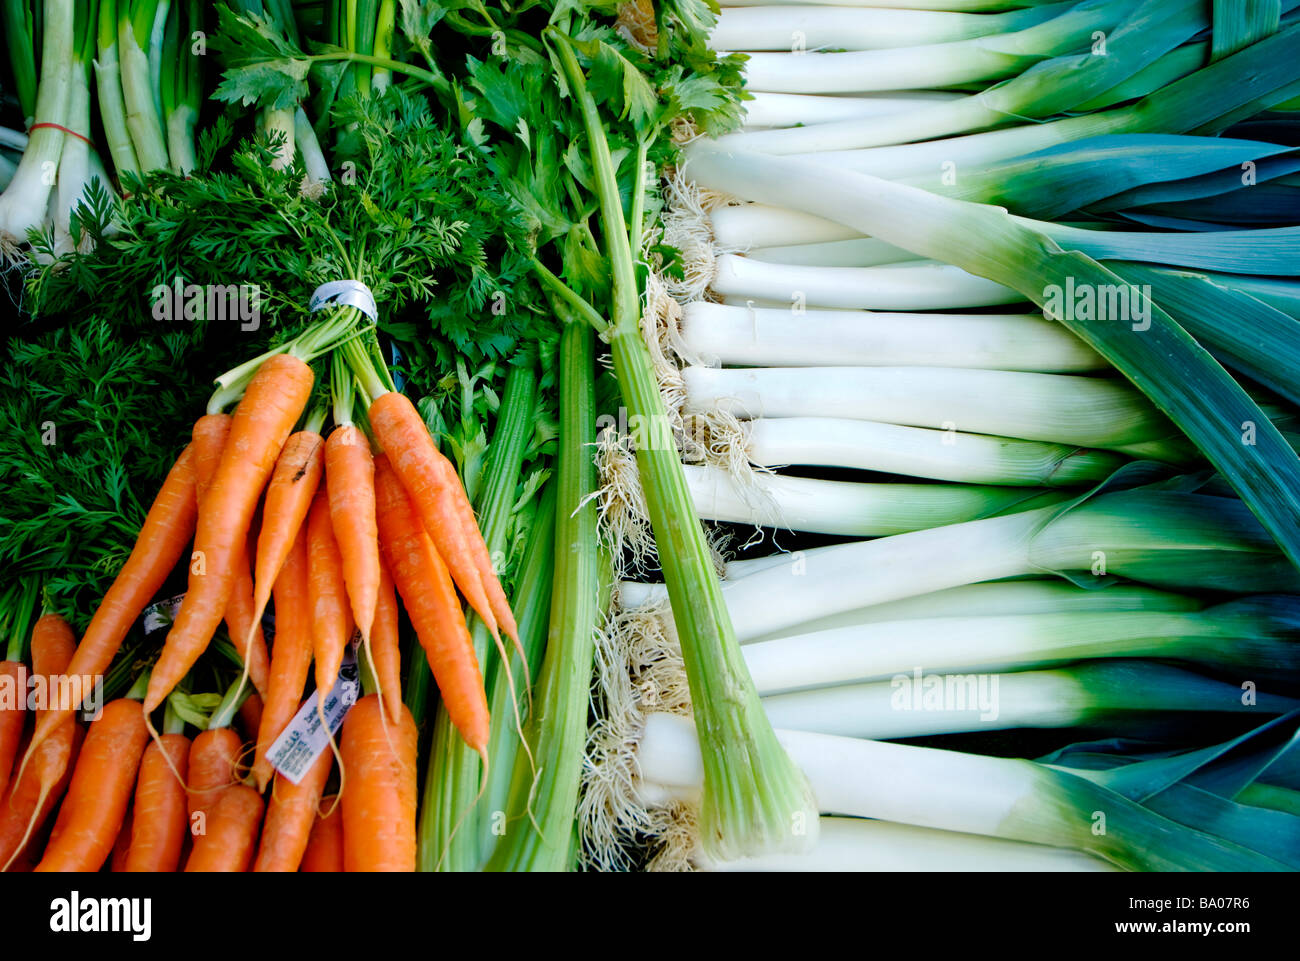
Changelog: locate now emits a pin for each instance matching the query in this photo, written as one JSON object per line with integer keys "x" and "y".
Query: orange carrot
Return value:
{"x": 385, "y": 646}
{"x": 250, "y": 715}
{"x": 208, "y": 440}
{"x": 290, "y": 815}
{"x": 160, "y": 814}
{"x": 53, "y": 648}
{"x": 211, "y": 432}
{"x": 431, "y": 482}
{"x": 214, "y": 755}
{"x": 262, "y": 422}
{"x": 231, "y": 836}
{"x": 326, "y": 593}
{"x": 13, "y": 676}
{"x": 379, "y": 803}
{"x": 289, "y": 494}
{"x": 350, "y": 480}
{"x": 40, "y": 785}
{"x": 430, "y": 599}
{"x": 246, "y": 631}
{"x": 166, "y": 532}
{"x": 122, "y": 846}
{"x": 290, "y": 658}
{"x": 324, "y": 852}
{"x": 100, "y": 790}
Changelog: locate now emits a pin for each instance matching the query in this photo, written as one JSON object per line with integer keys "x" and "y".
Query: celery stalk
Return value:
{"x": 448, "y": 837}
{"x": 540, "y": 815}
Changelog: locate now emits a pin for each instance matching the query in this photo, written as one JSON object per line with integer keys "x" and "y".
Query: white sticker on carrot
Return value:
{"x": 296, "y": 749}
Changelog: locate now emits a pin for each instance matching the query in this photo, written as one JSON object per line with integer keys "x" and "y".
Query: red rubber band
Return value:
{"x": 55, "y": 126}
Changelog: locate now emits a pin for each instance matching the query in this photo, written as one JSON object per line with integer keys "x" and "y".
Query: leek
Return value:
{"x": 917, "y": 452}
{"x": 1057, "y": 408}
{"x": 1157, "y": 355}
{"x": 916, "y": 285}
{"x": 846, "y": 508}
{"x": 1254, "y": 636}
{"x": 1164, "y": 538}
{"x": 861, "y": 844}
{"x": 947, "y": 790}
{"x": 936, "y": 64}
{"x": 778, "y": 28}
{"x": 761, "y": 337}
{"x": 1050, "y": 88}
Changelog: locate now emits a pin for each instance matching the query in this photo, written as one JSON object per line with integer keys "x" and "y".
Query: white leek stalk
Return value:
{"x": 1059, "y": 408}
{"x": 24, "y": 203}
{"x": 764, "y": 337}
{"x": 1002, "y": 598}
{"x": 843, "y": 507}
{"x": 857, "y": 252}
{"x": 743, "y": 226}
{"x": 861, "y": 844}
{"x": 1231, "y": 636}
{"x": 792, "y": 109}
{"x": 968, "y": 6}
{"x": 937, "y": 64}
{"x": 918, "y": 452}
{"x": 1048, "y": 89}
{"x": 914, "y": 285}
{"x": 865, "y": 28}
{"x": 1162, "y": 538}
{"x": 948, "y": 790}
{"x": 916, "y": 703}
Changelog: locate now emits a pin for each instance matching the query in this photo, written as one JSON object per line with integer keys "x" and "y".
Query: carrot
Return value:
{"x": 208, "y": 439}
{"x": 211, "y": 432}
{"x": 379, "y": 803}
{"x": 326, "y": 594}
{"x": 214, "y": 755}
{"x": 262, "y": 423}
{"x": 245, "y": 630}
{"x": 53, "y": 648}
{"x": 250, "y": 715}
{"x": 122, "y": 846}
{"x": 13, "y": 715}
{"x": 289, "y": 494}
{"x": 100, "y": 790}
{"x": 350, "y": 481}
{"x": 290, "y": 658}
{"x": 385, "y": 647}
{"x": 25, "y": 807}
{"x": 231, "y": 836}
{"x": 160, "y": 814}
{"x": 163, "y": 538}
{"x": 290, "y": 815}
{"x": 430, "y": 599}
{"x": 40, "y": 786}
{"x": 324, "y": 852}
{"x": 435, "y": 490}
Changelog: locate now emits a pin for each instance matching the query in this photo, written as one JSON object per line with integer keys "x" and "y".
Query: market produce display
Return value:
{"x": 652, "y": 436}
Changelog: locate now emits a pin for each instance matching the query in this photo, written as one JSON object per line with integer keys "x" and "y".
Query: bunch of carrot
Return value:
{"x": 350, "y": 518}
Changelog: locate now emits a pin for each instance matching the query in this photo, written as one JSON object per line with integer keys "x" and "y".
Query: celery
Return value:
{"x": 539, "y": 819}
{"x": 448, "y": 834}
